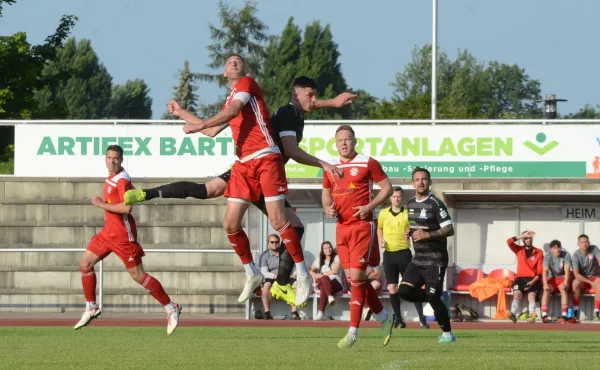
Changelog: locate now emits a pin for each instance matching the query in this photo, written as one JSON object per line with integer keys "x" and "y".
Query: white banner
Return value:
{"x": 456, "y": 151}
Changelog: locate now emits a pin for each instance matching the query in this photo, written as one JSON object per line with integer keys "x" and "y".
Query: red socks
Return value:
{"x": 357, "y": 302}
{"x": 373, "y": 300}
{"x": 88, "y": 280}
{"x": 155, "y": 289}
{"x": 597, "y": 305}
{"x": 241, "y": 245}
{"x": 292, "y": 242}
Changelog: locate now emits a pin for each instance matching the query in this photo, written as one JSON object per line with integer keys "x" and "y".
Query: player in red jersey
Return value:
{"x": 119, "y": 235}
{"x": 259, "y": 171}
{"x": 351, "y": 200}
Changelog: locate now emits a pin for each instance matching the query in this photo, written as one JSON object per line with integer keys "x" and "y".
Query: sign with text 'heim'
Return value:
{"x": 580, "y": 213}
{"x": 448, "y": 151}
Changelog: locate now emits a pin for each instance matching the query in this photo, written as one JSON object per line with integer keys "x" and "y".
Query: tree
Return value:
{"x": 21, "y": 64}
{"x": 281, "y": 66}
{"x": 241, "y": 33}
{"x": 587, "y": 112}
{"x": 184, "y": 92}
{"x": 319, "y": 60}
{"x": 467, "y": 89}
{"x": 363, "y": 104}
{"x": 7, "y": 2}
{"x": 83, "y": 85}
{"x": 131, "y": 101}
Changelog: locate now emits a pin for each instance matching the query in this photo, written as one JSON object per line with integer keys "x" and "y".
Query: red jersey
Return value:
{"x": 118, "y": 227}
{"x": 251, "y": 128}
{"x": 527, "y": 266}
{"x": 355, "y": 188}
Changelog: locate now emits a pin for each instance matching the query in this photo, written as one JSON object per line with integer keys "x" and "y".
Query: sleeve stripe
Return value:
{"x": 242, "y": 96}
{"x": 446, "y": 223}
{"x": 287, "y": 133}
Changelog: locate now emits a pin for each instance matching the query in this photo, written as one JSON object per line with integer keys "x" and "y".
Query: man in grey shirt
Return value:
{"x": 556, "y": 277}
{"x": 586, "y": 268}
{"x": 268, "y": 263}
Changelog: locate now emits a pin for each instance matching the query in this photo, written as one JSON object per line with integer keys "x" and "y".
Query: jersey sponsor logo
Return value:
{"x": 443, "y": 213}
{"x": 423, "y": 213}
{"x": 354, "y": 171}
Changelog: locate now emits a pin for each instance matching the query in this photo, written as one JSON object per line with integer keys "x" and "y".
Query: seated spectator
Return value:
{"x": 529, "y": 273}
{"x": 556, "y": 277}
{"x": 326, "y": 277}
{"x": 269, "y": 265}
{"x": 587, "y": 274}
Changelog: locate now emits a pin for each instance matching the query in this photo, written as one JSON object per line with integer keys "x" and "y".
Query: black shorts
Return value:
{"x": 431, "y": 276}
{"x": 521, "y": 283}
{"x": 395, "y": 263}
{"x": 260, "y": 204}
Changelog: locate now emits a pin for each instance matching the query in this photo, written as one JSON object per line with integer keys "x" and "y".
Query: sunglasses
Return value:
{"x": 273, "y": 241}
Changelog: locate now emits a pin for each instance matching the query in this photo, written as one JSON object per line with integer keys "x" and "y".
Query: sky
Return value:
{"x": 149, "y": 39}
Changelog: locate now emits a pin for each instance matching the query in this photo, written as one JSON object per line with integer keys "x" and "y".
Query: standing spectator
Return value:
{"x": 391, "y": 225}
{"x": 587, "y": 274}
{"x": 556, "y": 277}
{"x": 325, "y": 273}
{"x": 269, "y": 264}
{"x": 530, "y": 262}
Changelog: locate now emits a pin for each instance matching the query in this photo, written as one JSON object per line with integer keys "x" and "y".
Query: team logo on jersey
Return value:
{"x": 109, "y": 190}
{"x": 423, "y": 213}
{"x": 590, "y": 256}
{"x": 354, "y": 171}
{"x": 443, "y": 213}
{"x": 561, "y": 263}
{"x": 532, "y": 258}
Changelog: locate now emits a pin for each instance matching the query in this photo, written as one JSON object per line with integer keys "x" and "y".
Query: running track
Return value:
{"x": 287, "y": 324}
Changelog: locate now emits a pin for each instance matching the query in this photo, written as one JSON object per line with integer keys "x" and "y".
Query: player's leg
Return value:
{"x": 515, "y": 306}
{"x": 578, "y": 288}
{"x": 96, "y": 251}
{"x": 391, "y": 269}
{"x": 266, "y": 298}
{"x": 564, "y": 298}
{"x": 546, "y": 294}
{"x": 434, "y": 285}
{"x": 596, "y": 287}
{"x": 532, "y": 299}
{"x": 131, "y": 254}
{"x": 181, "y": 190}
{"x": 406, "y": 258}
{"x": 242, "y": 188}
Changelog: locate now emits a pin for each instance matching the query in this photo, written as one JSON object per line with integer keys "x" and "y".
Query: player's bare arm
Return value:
{"x": 292, "y": 150}
{"x": 339, "y": 101}
{"x": 567, "y": 278}
{"x": 327, "y": 200}
{"x": 545, "y": 278}
{"x": 380, "y": 237}
{"x": 580, "y": 277}
{"x": 114, "y": 208}
{"x": 195, "y": 124}
{"x": 444, "y": 232}
{"x": 385, "y": 192}
{"x": 214, "y": 131}
{"x": 175, "y": 109}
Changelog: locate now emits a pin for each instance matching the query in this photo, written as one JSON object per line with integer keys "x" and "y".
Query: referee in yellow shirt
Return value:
{"x": 391, "y": 225}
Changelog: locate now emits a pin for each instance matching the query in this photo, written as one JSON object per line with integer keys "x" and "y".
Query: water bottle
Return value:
{"x": 570, "y": 312}
{"x": 252, "y": 311}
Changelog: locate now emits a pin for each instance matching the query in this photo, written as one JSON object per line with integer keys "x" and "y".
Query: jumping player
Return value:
{"x": 119, "y": 235}
{"x": 350, "y": 199}
{"x": 430, "y": 225}
{"x": 259, "y": 172}
{"x": 288, "y": 128}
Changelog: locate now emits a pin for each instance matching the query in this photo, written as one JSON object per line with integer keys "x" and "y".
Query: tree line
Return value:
{"x": 63, "y": 78}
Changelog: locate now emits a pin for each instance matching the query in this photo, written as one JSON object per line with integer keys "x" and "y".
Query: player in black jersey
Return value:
{"x": 430, "y": 225}
{"x": 288, "y": 128}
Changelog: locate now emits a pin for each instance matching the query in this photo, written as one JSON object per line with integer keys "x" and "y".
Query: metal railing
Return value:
{"x": 312, "y": 122}
{"x": 101, "y": 263}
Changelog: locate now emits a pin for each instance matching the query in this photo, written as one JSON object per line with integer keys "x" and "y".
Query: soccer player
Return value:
{"x": 119, "y": 235}
{"x": 260, "y": 171}
{"x": 350, "y": 199}
{"x": 530, "y": 262}
{"x": 392, "y": 222}
{"x": 288, "y": 128}
{"x": 586, "y": 269}
{"x": 556, "y": 276}
{"x": 430, "y": 225}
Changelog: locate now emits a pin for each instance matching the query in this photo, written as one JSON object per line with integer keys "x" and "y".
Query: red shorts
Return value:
{"x": 130, "y": 253}
{"x": 357, "y": 245}
{"x": 555, "y": 282}
{"x": 265, "y": 175}
{"x": 593, "y": 279}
